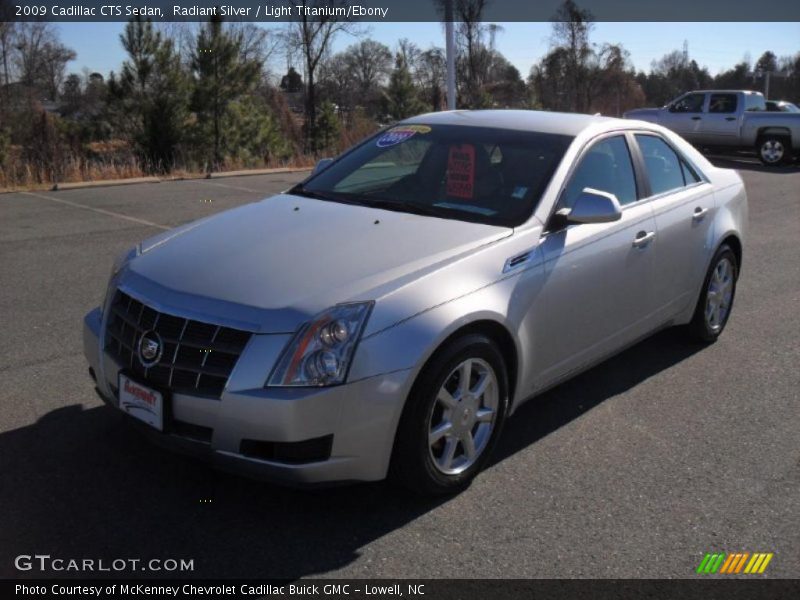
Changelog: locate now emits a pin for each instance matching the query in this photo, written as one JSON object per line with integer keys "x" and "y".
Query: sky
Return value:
{"x": 717, "y": 46}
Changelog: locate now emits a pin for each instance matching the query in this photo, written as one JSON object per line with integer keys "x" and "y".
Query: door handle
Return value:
{"x": 699, "y": 214}
{"x": 730, "y": 118}
{"x": 643, "y": 238}
{"x": 697, "y": 118}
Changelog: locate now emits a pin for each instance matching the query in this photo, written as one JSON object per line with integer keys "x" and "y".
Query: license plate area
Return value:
{"x": 142, "y": 402}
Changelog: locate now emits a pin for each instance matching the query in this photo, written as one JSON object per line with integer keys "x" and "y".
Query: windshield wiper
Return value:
{"x": 372, "y": 202}
{"x": 410, "y": 207}
{"x": 299, "y": 190}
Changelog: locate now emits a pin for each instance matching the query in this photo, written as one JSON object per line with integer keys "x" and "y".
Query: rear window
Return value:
{"x": 722, "y": 103}
{"x": 493, "y": 176}
{"x": 665, "y": 169}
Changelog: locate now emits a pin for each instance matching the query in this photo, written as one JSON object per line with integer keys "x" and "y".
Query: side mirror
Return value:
{"x": 321, "y": 164}
{"x": 595, "y": 206}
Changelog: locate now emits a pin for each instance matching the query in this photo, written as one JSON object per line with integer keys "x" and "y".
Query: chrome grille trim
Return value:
{"x": 197, "y": 358}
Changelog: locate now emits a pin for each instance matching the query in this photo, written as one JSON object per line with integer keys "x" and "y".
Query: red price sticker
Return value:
{"x": 461, "y": 171}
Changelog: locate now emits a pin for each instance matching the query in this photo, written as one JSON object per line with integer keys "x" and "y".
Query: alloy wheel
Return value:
{"x": 772, "y": 151}
{"x": 719, "y": 295}
{"x": 463, "y": 416}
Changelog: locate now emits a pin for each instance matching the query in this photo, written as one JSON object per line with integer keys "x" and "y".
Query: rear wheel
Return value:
{"x": 716, "y": 300}
{"x": 773, "y": 149}
{"x": 452, "y": 418}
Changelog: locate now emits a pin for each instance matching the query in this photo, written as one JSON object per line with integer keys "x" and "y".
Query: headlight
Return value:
{"x": 320, "y": 353}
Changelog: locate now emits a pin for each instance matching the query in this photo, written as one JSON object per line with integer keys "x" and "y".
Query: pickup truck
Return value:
{"x": 729, "y": 120}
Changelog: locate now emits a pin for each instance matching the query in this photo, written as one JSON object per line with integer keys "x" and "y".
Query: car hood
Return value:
{"x": 271, "y": 265}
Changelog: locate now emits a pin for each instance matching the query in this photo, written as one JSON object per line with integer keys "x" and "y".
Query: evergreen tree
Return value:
{"x": 326, "y": 133}
{"x": 151, "y": 95}
{"x": 222, "y": 75}
{"x": 401, "y": 94}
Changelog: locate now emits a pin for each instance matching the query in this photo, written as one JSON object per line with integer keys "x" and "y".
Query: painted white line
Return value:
{"x": 101, "y": 211}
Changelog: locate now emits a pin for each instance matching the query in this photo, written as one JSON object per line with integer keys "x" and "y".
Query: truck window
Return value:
{"x": 690, "y": 103}
{"x": 722, "y": 103}
{"x": 755, "y": 102}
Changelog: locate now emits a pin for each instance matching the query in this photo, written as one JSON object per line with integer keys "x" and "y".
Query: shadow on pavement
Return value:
{"x": 83, "y": 484}
{"x": 751, "y": 163}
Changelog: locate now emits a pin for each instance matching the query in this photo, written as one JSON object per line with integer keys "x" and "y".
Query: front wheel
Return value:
{"x": 716, "y": 300}
{"x": 773, "y": 150}
{"x": 452, "y": 418}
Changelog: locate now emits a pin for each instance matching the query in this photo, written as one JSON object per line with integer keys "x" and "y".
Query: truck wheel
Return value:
{"x": 773, "y": 149}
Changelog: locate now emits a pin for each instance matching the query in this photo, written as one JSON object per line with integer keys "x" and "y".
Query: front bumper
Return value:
{"x": 361, "y": 417}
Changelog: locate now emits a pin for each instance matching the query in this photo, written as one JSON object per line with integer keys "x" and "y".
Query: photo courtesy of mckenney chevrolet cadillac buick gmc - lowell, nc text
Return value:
{"x": 386, "y": 315}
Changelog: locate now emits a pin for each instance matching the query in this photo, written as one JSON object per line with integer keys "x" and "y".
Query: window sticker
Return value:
{"x": 399, "y": 134}
{"x": 519, "y": 192}
{"x": 461, "y": 171}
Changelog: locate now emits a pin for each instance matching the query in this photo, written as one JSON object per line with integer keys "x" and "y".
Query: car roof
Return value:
{"x": 521, "y": 120}
{"x": 747, "y": 92}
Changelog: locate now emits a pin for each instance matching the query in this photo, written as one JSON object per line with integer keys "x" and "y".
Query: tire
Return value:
{"x": 436, "y": 400}
{"x": 711, "y": 316}
{"x": 773, "y": 150}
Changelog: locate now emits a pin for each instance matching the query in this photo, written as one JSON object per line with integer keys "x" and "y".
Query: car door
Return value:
{"x": 597, "y": 290}
{"x": 683, "y": 206}
{"x": 685, "y": 116}
{"x": 720, "y": 121}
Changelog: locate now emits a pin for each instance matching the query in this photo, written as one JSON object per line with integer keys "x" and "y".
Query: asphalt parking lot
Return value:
{"x": 634, "y": 469}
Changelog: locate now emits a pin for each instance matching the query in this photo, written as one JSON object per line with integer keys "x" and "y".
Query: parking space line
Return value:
{"x": 101, "y": 211}
{"x": 225, "y": 185}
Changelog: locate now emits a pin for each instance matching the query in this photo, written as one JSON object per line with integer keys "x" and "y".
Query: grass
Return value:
{"x": 17, "y": 174}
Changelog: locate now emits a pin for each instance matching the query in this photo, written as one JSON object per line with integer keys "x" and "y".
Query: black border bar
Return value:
{"x": 716, "y": 588}
{"x": 272, "y": 11}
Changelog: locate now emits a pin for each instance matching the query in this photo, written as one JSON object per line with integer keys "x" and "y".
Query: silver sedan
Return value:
{"x": 385, "y": 316}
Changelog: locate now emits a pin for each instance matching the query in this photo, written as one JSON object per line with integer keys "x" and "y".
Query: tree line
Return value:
{"x": 202, "y": 97}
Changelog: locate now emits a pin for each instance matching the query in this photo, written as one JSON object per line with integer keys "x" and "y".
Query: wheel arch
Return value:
{"x": 782, "y": 132}
{"x": 500, "y": 335}
{"x": 732, "y": 240}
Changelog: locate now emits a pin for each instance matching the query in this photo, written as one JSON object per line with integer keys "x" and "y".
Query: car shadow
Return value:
{"x": 751, "y": 163}
{"x": 555, "y": 408}
{"x": 81, "y": 483}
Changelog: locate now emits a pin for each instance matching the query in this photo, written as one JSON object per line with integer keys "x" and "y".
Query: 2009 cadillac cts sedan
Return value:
{"x": 387, "y": 314}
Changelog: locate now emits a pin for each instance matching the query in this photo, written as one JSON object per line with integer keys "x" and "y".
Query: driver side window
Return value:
{"x": 606, "y": 167}
{"x": 691, "y": 103}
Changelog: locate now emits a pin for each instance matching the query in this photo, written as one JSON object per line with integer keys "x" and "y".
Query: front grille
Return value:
{"x": 197, "y": 357}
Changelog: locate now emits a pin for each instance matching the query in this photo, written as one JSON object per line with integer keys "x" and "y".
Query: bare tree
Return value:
{"x": 6, "y": 46}
{"x": 337, "y": 82}
{"x": 469, "y": 39}
{"x": 571, "y": 29}
{"x": 410, "y": 53}
{"x": 430, "y": 76}
{"x": 41, "y": 58}
{"x": 371, "y": 63}
{"x": 311, "y": 37}
{"x": 256, "y": 44}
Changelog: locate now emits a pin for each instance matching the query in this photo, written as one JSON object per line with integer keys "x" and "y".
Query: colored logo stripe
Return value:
{"x": 734, "y": 562}
{"x": 711, "y": 562}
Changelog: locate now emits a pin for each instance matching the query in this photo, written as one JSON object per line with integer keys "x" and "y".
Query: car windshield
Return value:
{"x": 478, "y": 174}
